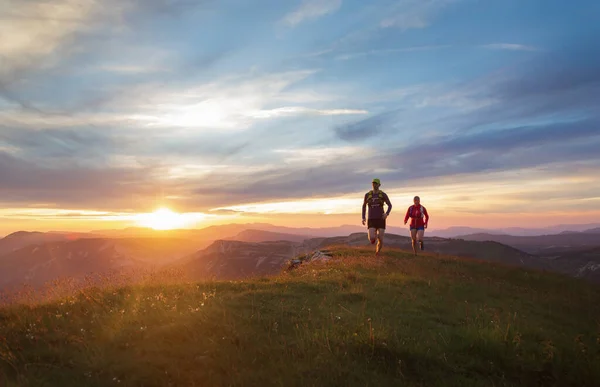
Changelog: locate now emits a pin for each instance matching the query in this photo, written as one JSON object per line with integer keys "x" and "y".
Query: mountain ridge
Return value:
{"x": 255, "y": 235}
{"x": 270, "y": 252}
{"x": 540, "y": 244}
{"x": 345, "y": 229}
{"x": 237, "y": 258}
{"x": 76, "y": 259}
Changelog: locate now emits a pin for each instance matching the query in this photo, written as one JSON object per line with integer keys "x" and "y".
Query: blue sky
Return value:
{"x": 486, "y": 109}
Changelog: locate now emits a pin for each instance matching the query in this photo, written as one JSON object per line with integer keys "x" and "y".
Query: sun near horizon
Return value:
{"x": 162, "y": 218}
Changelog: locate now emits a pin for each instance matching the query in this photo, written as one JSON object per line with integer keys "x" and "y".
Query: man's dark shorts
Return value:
{"x": 376, "y": 223}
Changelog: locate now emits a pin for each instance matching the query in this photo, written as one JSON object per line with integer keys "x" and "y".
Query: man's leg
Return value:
{"x": 420, "y": 238}
{"x": 381, "y": 233}
{"x": 372, "y": 235}
{"x": 413, "y": 236}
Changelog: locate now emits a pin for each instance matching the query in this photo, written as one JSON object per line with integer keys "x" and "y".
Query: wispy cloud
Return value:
{"x": 496, "y": 192}
{"x": 510, "y": 47}
{"x": 414, "y": 14}
{"x": 59, "y": 143}
{"x": 46, "y": 35}
{"x": 337, "y": 205}
{"x": 41, "y": 29}
{"x": 389, "y": 51}
{"x": 365, "y": 128}
{"x": 130, "y": 69}
{"x": 51, "y": 213}
{"x": 36, "y": 29}
{"x": 468, "y": 156}
{"x": 320, "y": 155}
{"x": 315, "y": 54}
{"x": 233, "y": 103}
{"x": 401, "y": 14}
{"x": 38, "y": 120}
{"x": 298, "y": 110}
{"x": 311, "y": 10}
{"x": 73, "y": 184}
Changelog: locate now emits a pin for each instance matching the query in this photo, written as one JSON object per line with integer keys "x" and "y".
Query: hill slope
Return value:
{"x": 256, "y": 236}
{"x": 485, "y": 250}
{"x": 35, "y": 265}
{"x": 235, "y": 259}
{"x": 20, "y": 239}
{"x": 352, "y": 320}
{"x": 578, "y": 263}
{"x": 226, "y": 259}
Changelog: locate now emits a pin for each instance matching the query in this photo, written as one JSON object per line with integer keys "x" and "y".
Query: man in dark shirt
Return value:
{"x": 375, "y": 199}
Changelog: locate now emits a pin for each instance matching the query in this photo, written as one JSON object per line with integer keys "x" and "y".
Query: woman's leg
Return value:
{"x": 420, "y": 237}
{"x": 413, "y": 236}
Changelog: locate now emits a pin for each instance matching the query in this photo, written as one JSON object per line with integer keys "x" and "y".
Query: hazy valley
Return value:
{"x": 238, "y": 251}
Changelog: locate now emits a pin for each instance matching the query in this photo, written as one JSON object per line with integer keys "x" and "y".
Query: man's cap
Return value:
{"x": 376, "y": 181}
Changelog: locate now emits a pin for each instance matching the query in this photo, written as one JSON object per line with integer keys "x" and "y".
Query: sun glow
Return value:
{"x": 163, "y": 219}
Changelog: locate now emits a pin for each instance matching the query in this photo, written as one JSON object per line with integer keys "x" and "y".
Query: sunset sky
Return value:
{"x": 284, "y": 111}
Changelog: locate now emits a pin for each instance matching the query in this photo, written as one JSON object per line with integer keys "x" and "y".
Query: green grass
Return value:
{"x": 355, "y": 320}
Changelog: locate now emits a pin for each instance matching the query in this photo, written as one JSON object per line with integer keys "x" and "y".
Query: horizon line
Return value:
{"x": 150, "y": 229}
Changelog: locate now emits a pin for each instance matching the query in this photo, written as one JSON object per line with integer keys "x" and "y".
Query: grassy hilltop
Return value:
{"x": 355, "y": 320}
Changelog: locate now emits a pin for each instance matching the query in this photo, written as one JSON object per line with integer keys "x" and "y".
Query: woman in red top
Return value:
{"x": 418, "y": 224}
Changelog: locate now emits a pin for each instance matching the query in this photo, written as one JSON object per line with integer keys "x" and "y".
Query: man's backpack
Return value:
{"x": 379, "y": 194}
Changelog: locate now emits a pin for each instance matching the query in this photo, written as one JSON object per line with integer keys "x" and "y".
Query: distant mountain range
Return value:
{"x": 235, "y": 251}
{"x": 236, "y": 259}
{"x": 265, "y": 236}
{"x": 21, "y": 239}
{"x": 228, "y": 259}
{"x": 453, "y": 232}
{"x": 38, "y": 263}
{"x": 231, "y": 230}
{"x": 542, "y": 244}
